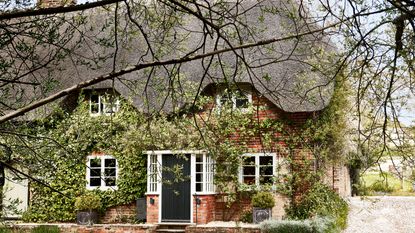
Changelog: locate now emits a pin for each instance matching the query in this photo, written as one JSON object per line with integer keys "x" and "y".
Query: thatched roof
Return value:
{"x": 280, "y": 71}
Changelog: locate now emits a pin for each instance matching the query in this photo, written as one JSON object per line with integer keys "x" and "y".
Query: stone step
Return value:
{"x": 171, "y": 230}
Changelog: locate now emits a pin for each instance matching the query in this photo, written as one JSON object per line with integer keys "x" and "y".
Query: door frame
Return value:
{"x": 160, "y": 154}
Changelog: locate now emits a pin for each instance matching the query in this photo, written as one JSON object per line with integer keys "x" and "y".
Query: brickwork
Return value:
{"x": 97, "y": 228}
{"x": 198, "y": 229}
{"x": 152, "y": 209}
{"x": 216, "y": 208}
{"x": 338, "y": 178}
{"x": 205, "y": 211}
{"x": 131, "y": 228}
{"x": 233, "y": 212}
{"x": 122, "y": 213}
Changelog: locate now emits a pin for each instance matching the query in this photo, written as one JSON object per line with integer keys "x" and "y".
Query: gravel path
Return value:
{"x": 381, "y": 214}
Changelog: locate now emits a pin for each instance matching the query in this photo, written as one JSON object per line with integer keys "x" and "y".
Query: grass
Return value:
{"x": 372, "y": 183}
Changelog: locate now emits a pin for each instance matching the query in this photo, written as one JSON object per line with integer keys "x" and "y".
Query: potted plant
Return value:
{"x": 262, "y": 203}
{"x": 87, "y": 206}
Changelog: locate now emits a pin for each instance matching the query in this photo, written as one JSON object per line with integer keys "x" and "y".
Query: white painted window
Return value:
{"x": 103, "y": 104}
{"x": 237, "y": 99}
{"x": 258, "y": 169}
{"x": 204, "y": 172}
{"x": 152, "y": 173}
{"x": 102, "y": 172}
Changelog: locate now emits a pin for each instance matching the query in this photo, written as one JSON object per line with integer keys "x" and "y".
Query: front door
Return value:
{"x": 175, "y": 192}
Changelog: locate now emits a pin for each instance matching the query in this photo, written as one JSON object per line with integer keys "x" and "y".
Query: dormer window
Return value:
{"x": 103, "y": 104}
{"x": 237, "y": 99}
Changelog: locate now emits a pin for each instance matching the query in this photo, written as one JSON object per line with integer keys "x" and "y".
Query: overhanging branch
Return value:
{"x": 55, "y": 10}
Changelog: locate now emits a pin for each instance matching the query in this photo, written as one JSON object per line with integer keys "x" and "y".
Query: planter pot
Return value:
{"x": 259, "y": 215}
{"x": 86, "y": 217}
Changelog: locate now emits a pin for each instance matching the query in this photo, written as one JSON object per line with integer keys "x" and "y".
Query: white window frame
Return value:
{"x": 103, "y": 104}
{"x": 247, "y": 93}
{"x": 102, "y": 175}
{"x": 154, "y": 173}
{"x": 257, "y": 167}
{"x": 208, "y": 174}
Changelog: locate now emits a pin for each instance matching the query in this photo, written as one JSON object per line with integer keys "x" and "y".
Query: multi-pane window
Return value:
{"x": 257, "y": 169}
{"x": 204, "y": 171}
{"x": 152, "y": 173}
{"x": 236, "y": 99}
{"x": 101, "y": 172}
{"x": 100, "y": 104}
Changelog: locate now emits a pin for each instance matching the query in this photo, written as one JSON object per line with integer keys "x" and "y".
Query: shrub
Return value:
{"x": 5, "y": 230}
{"x": 264, "y": 200}
{"x": 380, "y": 186}
{"x": 315, "y": 225}
{"x": 45, "y": 229}
{"x": 320, "y": 200}
{"x": 286, "y": 226}
{"x": 89, "y": 201}
{"x": 246, "y": 216}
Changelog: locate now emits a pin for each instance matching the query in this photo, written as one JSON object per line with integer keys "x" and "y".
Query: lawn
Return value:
{"x": 387, "y": 184}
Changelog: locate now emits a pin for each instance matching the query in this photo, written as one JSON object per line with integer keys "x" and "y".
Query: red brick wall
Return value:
{"x": 205, "y": 211}
{"x": 122, "y": 213}
{"x": 153, "y": 209}
{"x": 225, "y": 211}
{"x": 97, "y": 228}
{"x": 265, "y": 109}
{"x": 192, "y": 229}
{"x": 216, "y": 207}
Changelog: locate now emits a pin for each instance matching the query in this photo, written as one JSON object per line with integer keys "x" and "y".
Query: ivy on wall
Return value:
{"x": 65, "y": 140}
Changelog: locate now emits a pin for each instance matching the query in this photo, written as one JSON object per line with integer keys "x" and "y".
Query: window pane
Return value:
{"x": 199, "y": 177}
{"x": 249, "y": 160}
{"x": 265, "y": 180}
{"x": 198, "y": 187}
{"x": 199, "y": 158}
{"x": 249, "y": 170}
{"x": 241, "y": 102}
{"x": 110, "y": 181}
{"x": 95, "y": 163}
{"x": 110, "y": 162}
{"x": 94, "y": 108}
{"x": 265, "y": 170}
{"x": 109, "y": 172}
{"x": 95, "y": 172}
{"x": 226, "y": 99}
{"x": 94, "y": 182}
{"x": 249, "y": 179}
{"x": 198, "y": 167}
{"x": 265, "y": 160}
{"x": 94, "y": 99}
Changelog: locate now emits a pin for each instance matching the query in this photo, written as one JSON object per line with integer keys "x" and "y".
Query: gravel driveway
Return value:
{"x": 381, "y": 214}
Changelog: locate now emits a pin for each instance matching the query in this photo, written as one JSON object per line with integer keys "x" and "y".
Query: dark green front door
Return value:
{"x": 175, "y": 192}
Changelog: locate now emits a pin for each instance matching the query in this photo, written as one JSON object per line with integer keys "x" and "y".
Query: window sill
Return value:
{"x": 204, "y": 193}
{"x": 112, "y": 188}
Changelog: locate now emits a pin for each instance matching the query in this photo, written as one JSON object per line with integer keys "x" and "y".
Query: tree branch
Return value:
{"x": 55, "y": 10}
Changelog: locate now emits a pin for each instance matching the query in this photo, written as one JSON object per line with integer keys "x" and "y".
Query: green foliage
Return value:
{"x": 246, "y": 216}
{"x": 45, "y": 229}
{"x": 315, "y": 225}
{"x": 74, "y": 137}
{"x": 264, "y": 200}
{"x": 320, "y": 200}
{"x": 88, "y": 201}
{"x": 5, "y": 230}
{"x": 67, "y": 139}
{"x": 380, "y": 186}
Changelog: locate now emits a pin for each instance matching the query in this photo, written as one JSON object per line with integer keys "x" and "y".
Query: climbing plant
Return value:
{"x": 64, "y": 141}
